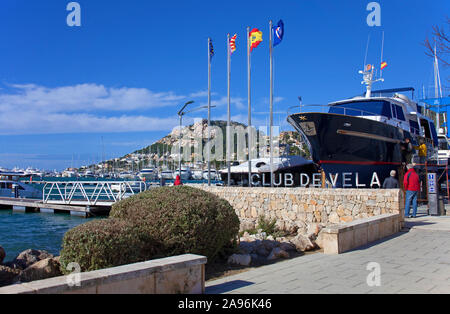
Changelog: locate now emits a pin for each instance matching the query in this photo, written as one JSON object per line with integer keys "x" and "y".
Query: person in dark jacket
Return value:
{"x": 391, "y": 182}
{"x": 409, "y": 150}
{"x": 411, "y": 183}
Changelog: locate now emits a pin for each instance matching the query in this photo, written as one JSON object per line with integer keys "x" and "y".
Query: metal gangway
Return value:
{"x": 91, "y": 193}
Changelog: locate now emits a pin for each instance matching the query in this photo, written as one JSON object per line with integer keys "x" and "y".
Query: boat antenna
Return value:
{"x": 382, "y": 51}
{"x": 367, "y": 51}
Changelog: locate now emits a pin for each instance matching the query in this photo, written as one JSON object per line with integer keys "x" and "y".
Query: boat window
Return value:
{"x": 363, "y": 108}
{"x": 400, "y": 114}
{"x": 3, "y": 185}
{"x": 434, "y": 133}
{"x": 426, "y": 128}
{"x": 394, "y": 112}
{"x": 414, "y": 127}
{"x": 20, "y": 188}
{"x": 443, "y": 144}
{"x": 419, "y": 109}
{"x": 260, "y": 164}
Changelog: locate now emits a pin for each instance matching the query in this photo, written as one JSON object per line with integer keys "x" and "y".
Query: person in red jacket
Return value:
{"x": 411, "y": 183}
{"x": 178, "y": 181}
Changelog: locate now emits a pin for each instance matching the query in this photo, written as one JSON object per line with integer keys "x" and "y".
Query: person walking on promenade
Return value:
{"x": 412, "y": 186}
{"x": 391, "y": 182}
{"x": 178, "y": 181}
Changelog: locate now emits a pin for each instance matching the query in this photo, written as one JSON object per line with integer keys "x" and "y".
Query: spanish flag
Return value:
{"x": 255, "y": 38}
{"x": 384, "y": 65}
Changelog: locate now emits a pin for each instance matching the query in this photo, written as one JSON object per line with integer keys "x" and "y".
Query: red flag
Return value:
{"x": 233, "y": 43}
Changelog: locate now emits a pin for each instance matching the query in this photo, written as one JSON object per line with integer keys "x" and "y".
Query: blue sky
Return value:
{"x": 123, "y": 74}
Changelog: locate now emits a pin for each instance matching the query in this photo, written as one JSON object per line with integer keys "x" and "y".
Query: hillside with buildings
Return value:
{"x": 164, "y": 152}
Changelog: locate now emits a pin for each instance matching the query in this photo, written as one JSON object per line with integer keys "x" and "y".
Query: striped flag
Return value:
{"x": 384, "y": 65}
{"x": 233, "y": 43}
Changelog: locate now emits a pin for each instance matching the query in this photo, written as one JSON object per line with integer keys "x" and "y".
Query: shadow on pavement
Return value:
{"x": 377, "y": 242}
{"x": 227, "y": 286}
{"x": 411, "y": 224}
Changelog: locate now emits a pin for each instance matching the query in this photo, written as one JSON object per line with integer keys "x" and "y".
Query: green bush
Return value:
{"x": 183, "y": 219}
{"x": 106, "y": 243}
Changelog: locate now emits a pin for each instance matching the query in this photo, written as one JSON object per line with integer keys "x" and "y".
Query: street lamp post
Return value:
{"x": 181, "y": 113}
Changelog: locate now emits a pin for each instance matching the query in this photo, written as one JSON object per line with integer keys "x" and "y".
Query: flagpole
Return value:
{"x": 229, "y": 109}
{"x": 271, "y": 103}
{"x": 209, "y": 111}
{"x": 382, "y": 52}
{"x": 249, "y": 109}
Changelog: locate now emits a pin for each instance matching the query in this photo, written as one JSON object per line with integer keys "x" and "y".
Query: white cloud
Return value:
{"x": 85, "y": 97}
{"x": 32, "y": 122}
{"x": 34, "y": 109}
{"x": 92, "y": 108}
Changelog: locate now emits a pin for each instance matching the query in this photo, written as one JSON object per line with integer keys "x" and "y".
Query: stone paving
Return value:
{"x": 416, "y": 260}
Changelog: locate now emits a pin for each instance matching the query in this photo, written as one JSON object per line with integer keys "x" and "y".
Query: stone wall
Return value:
{"x": 300, "y": 207}
{"x": 184, "y": 274}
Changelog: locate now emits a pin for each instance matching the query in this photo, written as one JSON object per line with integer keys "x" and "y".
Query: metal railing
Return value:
{"x": 91, "y": 193}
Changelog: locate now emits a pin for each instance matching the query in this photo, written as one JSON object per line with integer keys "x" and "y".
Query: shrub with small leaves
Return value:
{"x": 107, "y": 243}
{"x": 183, "y": 219}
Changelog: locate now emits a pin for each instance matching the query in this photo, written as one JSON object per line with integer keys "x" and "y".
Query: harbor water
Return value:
{"x": 40, "y": 231}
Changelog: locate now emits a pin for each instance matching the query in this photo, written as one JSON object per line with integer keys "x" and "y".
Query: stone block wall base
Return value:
{"x": 345, "y": 237}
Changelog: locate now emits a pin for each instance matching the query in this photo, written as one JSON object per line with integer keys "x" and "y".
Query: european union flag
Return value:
{"x": 278, "y": 33}
{"x": 211, "y": 49}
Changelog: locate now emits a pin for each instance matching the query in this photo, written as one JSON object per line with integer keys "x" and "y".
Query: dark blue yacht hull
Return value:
{"x": 353, "y": 151}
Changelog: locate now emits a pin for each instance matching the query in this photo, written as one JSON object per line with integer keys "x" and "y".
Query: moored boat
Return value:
{"x": 358, "y": 141}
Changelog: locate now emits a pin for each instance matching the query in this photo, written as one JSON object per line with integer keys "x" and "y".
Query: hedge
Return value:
{"x": 106, "y": 243}
{"x": 183, "y": 219}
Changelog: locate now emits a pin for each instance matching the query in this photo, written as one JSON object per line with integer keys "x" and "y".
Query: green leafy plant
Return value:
{"x": 184, "y": 219}
{"x": 158, "y": 223}
{"x": 266, "y": 225}
{"x": 107, "y": 243}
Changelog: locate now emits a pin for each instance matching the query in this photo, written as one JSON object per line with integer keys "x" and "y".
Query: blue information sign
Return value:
{"x": 432, "y": 183}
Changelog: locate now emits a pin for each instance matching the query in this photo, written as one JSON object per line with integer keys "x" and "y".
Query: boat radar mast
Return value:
{"x": 368, "y": 79}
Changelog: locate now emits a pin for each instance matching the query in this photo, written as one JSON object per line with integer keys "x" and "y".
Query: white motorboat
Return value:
{"x": 9, "y": 181}
{"x": 260, "y": 168}
{"x": 214, "y": 175}
{"x": 185, "y": 173}
{"x": 128, "y": 175}
{"x": 197, "y": 174}
{"x": 148, "y": 174}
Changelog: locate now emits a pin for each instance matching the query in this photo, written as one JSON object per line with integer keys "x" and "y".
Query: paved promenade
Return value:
{"x": 416, "y": 260}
